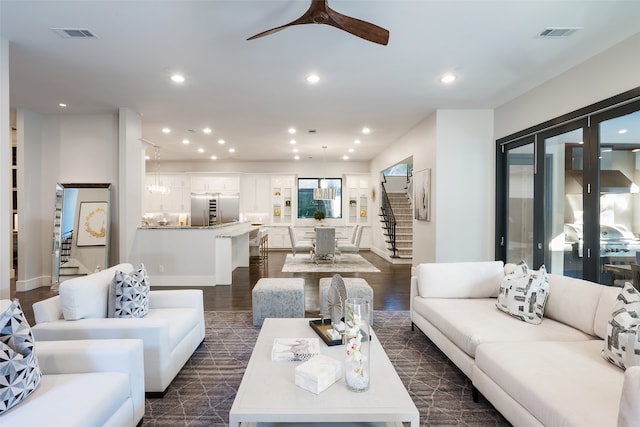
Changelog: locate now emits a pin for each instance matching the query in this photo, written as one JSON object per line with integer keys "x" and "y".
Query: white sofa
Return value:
{"x": 551, "y": 374}
{"x": 171, "y": 331}
{"x": 84, "y": 383}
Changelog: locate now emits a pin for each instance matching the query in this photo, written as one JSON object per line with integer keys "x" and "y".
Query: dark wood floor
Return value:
{"x": 390, "y": 286}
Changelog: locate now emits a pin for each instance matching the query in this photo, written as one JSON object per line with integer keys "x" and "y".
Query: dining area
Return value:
{"x": 326, "y": 243}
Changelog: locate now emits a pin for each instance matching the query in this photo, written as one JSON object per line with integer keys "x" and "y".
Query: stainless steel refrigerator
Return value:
{"x": 214, "y": 208}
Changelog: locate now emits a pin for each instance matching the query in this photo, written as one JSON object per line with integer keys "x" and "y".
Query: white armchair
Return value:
{"x": 170, "y": 332}
{"x": 84, "y": 383}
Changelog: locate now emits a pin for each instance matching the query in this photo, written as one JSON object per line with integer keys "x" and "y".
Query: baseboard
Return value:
{"x": 31, "y": 284}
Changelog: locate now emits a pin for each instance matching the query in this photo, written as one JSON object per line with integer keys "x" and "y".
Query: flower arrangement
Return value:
{"x": 357, "y": 361}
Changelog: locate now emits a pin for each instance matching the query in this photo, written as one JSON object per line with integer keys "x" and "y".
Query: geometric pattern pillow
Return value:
{"x": 19, "y": 371}
{"x": 524, "y": 293}
{"x": 129, "y": 294}
{"x": 621, "y": 346}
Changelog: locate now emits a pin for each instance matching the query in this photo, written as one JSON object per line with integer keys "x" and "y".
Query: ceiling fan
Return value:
{"x": 320, "y": 13}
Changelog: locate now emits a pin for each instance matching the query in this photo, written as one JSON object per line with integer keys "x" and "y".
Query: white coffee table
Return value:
{"x": 268, "y": 394}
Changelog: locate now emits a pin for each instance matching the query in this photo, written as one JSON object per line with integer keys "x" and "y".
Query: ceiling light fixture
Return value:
{"x": 296, "y": 157}
{"x": 166, "y": 130}
{"x": 221, "y": 141}
{"x": 232, "y": 150}
{"x": 62, "y": 104}
{"x": 177, "y": 78}
{"x": 345, "y": 157}
{"x": 366, "y": 130}
{"x": 186, "y": 141}
{"x": 448, "y": 78}
{"x": 357, "y": 141}
{"x": 206, "y": 130}
{"x": 351, "y": 150}
{"x": 295, "y": 150}
{"x": 313, "y": 78}
{"x": 292, "y": 142}
{"x": 622, "y": 131}
{"x": 200, "y": 150}
{"x": 214, "y": 157}
{"x": 292, "y": 130}
{"x": 324, "y": 192}
{"x": 156, "y": 187}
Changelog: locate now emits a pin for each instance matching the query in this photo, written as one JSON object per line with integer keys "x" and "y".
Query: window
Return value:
{"x": 307, "y": 206}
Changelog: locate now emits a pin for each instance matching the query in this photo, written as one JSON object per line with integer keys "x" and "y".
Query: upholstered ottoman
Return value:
{"x": 356, "y": 288}
{"x": 277, "y": 297}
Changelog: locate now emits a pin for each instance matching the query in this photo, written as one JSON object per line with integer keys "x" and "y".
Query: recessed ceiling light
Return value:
{"x": 357, "y": 141}
{"x": 351, "y": 150}
{"x": 206, "y": 130}
{"x": 214, "y": 157}
{"x": 166, "y": 130}
{"x": 295, "y": 150}
{"x": 366, "y": 130}
{"x": 147, "y": 157}
{"x": 292, "y": 130}
{"x": 177, "y": 78}
{"x": 448, "y": 78}
{"x": 296, "y": 157}
{"x": 200, "y": 150}
{"x": 62, "y": 104}
{"x": 622, "y": 131}
{"x": 221, "y": 141}
{"x": 313, "y": 78}
{"x": 186, "y": 141}
{"x": 345, "y": 157}
{"x": 292, "y": 142}
{"x": 232, "y": 150}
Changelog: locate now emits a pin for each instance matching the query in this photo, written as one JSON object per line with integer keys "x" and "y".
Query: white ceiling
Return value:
{"x": 251, "y": 92}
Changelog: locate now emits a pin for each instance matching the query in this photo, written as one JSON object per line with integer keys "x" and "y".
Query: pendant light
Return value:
{"x": 324, "y": 192}
{"x": 156, "y": 188}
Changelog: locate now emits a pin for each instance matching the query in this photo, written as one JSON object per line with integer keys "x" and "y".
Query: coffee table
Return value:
{"x": 268, "y": 394}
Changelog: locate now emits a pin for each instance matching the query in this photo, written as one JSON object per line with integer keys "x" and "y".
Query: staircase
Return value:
{"x": 404, "y": 225}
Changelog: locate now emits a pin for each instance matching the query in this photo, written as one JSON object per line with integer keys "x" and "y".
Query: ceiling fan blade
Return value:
{"x": 319, "y": 12}
{"x": 306, "y": 18}
{"x": 357, "y": 27}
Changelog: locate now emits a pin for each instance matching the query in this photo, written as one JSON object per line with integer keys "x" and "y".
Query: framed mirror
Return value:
{"x": 81, "y": 231}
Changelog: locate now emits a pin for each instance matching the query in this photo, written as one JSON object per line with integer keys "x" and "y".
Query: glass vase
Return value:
{"x": 357, "y": 333}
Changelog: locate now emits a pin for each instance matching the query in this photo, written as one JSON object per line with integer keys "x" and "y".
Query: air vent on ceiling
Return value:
{"x": 74, "y": 33}
{"x": 557, "y": 32}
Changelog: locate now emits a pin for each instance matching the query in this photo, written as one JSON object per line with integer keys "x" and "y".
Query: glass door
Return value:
{"x": 563, "y": 200}
{"x": 619, "y": 199}
{"x": 519, "y": 184}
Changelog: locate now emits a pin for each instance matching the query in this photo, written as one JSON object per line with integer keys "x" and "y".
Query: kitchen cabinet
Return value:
{"x": 176, "y": 199}
{"x": 358, "y": 199}
{"x": 282, "y": 199}
{"x": 279, "y": 237}
{"x": 215, "y": 184}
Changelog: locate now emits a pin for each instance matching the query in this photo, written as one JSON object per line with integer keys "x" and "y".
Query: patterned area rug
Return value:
{"x": 345, "y": 263}
{"x": 204, "y": 390}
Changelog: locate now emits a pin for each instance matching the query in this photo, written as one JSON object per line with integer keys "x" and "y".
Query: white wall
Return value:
{"x": 610, "y": 73}
{"x": 51, "y": 149}
{"x": 5, "y": 173}
{"x": 464, "y": 195}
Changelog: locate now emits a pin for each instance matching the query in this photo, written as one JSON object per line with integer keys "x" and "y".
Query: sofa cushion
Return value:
{"x": 622, "y": 345}
{"x": 87, "y": 296}
{"x": 523, "y": 294}
{"x": 129, "y": 293}
{"x": 75, "y": 400}
{"x": 460, "y": 279}
{"x": 180, "y": 322}
{"x": 470, "y": 322}
{"x": 573, "y": 302}
{"x": 19, "y": 371}
{"x": 560, "y": 383}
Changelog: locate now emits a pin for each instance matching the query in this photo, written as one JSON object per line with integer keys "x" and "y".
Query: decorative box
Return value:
{"x": 318, "y": 373}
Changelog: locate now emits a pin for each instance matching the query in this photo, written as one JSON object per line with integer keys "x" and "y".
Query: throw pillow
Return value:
{"x": 19, "y": 370}
{"x": 622, "y": 346}
{"x": 129, "y": 294}
{"x": 523, "y": 294}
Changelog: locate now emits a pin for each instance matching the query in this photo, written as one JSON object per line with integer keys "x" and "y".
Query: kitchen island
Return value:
{"x": 193, "y": 256}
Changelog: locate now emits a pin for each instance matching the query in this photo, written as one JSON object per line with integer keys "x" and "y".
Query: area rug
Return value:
{"x": 345, "y": 263}
{"x": 204, "y": 390}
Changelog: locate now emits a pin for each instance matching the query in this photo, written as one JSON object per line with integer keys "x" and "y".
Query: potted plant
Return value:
{"x": 319, "y": 215}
